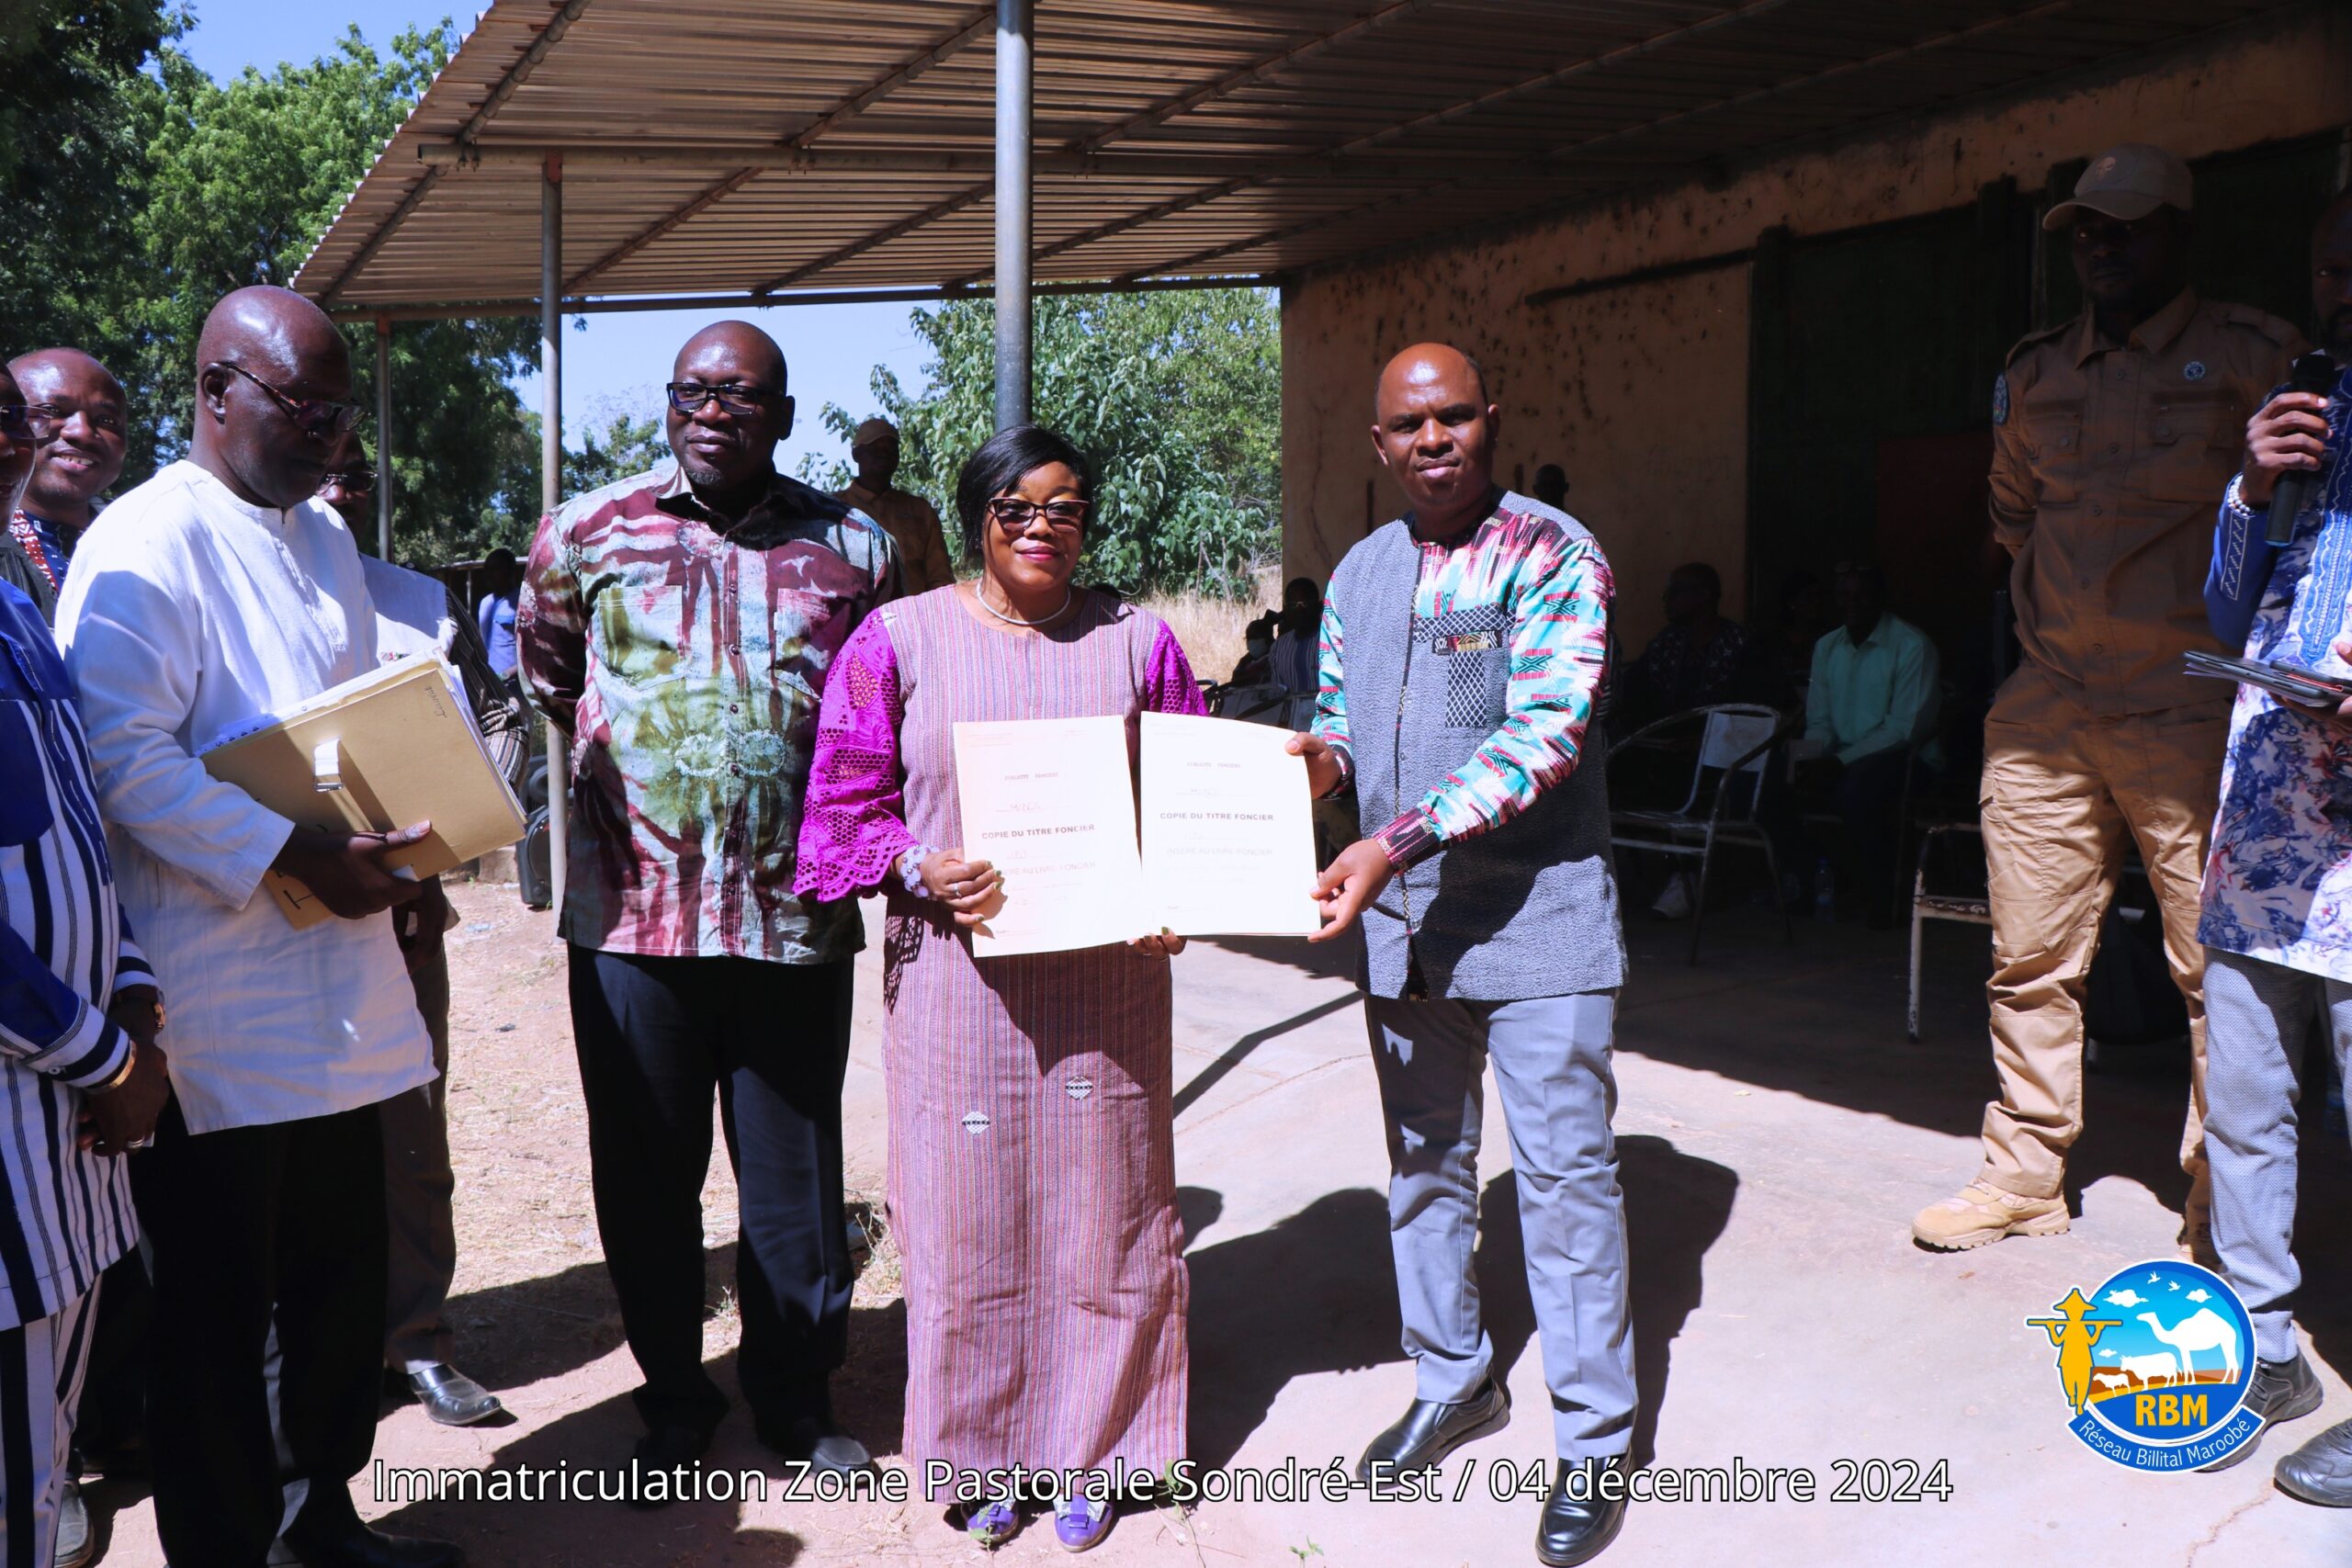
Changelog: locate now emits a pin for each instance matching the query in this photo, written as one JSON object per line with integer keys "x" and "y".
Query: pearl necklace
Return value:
{"x": 1069, "y": 596}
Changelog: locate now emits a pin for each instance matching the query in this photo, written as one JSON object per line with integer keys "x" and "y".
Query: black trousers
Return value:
{"x": 656, "y": 1037}
{"x": 280, "y": 1223}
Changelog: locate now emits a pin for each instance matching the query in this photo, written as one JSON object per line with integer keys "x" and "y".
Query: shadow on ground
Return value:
{"x": 1824, "y": 1017}
{"x": 1676, "y": 1207}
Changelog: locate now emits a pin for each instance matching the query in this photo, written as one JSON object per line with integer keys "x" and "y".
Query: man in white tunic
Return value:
{"x": 220, "y": 592}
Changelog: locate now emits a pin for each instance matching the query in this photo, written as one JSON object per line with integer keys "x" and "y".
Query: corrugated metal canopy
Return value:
{"x": 778, "y": 146}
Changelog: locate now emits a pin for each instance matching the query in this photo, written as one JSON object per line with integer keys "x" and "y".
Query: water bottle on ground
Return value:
{"x": 1825, "y": 893}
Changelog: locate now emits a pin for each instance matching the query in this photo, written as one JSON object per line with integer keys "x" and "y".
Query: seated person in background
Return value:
{"x": 1298, "y": 631}
{"x": 1551, "y": 486}
{"x": 1698, "y": 660}
{"x": 1256, "y": 666}
{"x": 1873, "y": 692}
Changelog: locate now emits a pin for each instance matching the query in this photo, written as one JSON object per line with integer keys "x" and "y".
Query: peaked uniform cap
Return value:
{"x": 2127, "y": 183}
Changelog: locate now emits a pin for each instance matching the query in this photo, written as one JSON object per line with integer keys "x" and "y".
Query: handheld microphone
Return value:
{"x": 2315, "y": 373}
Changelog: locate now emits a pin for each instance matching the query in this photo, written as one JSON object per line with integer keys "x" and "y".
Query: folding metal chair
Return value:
{"x": 1735, "y": 742}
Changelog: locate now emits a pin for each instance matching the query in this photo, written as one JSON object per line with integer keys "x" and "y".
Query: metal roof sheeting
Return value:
{"x": 729, "y": 146}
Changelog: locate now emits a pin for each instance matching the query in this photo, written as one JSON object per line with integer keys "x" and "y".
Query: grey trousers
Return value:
{"x": 2257, "y": 1017}
{"x": 1552, "y": 1063}
{"x": 418, "y": 1190}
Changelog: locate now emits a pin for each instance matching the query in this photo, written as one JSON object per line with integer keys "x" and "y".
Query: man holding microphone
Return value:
{"x": 2277, "y": 898}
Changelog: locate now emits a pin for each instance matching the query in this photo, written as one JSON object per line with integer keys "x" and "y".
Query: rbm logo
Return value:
{"x": 2169, "y": 1410}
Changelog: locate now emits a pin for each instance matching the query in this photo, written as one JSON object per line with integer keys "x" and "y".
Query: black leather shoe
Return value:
{"x": 450, "y": 1397}
{"x": 77, "y": 1545}
{"x": 1579, "y": 1520}
{"x": 357, "y": 1546}
{"x": 2321, "y": 1470}
{"x": 816, "y": 1440}
{"x": 2279, "y": 1391}
{"x": 664, "y": 1448}
{"x": 1427, "y": 1431}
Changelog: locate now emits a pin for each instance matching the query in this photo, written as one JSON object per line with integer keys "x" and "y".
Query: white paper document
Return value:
{"x": 1228, "y": 845}
{"x": 1051, "y": 804}
{"x": 1229, "y": 833}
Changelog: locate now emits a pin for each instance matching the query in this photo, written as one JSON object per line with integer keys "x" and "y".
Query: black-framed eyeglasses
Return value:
{"x": 16, "y": 422}
{"x": 357, "y": 481}
{"x": 689, "y": 397}
{"x": 1015, "y": 516}
{"x": 313, "y": 416}
{"x": 49, "y": 418}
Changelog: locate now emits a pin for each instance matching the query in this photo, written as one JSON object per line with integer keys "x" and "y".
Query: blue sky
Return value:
{"x": 618, "y": 363}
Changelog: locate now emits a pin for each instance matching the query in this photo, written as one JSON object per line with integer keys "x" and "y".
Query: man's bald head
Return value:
{"x": 1434, "y": 430}
{"x": 272, "y": 386}
{"x": 746, "y": 347}
{"x": 728, "y": 455}
{"x": 47, "y": 366}
{"x": 80, "y": 432}
{"x": 275, "y": 327}
{"x": 1427, "y": 359}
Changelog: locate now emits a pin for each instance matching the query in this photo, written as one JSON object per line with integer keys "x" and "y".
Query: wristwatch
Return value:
{"x": 121, "y": 1075}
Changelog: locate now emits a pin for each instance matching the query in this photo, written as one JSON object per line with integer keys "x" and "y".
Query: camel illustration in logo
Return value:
{"x": 2074, "y": 1334}
{"x": 2203, "y": 1329}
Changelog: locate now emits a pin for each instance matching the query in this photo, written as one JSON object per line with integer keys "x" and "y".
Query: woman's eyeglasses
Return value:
{"x": 688, "y": 396}
{"x": 16, "y": 421}
{"x": 315, "y": 417}
{"x": 1015, "y": 515}
{"x": 353, "y": 481}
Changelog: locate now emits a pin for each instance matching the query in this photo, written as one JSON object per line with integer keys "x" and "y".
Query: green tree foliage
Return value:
{"x": 1176, "y": 395}
{"x": 75, "y": 119}
{"x": 618, "y": 450}
{"x": 171, "y": 189}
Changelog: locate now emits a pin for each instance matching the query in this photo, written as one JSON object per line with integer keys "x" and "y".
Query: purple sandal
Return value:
{"x": 990, "y": 1524}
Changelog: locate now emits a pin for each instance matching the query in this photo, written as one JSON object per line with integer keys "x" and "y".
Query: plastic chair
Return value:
{"x": 1736, "y": 741}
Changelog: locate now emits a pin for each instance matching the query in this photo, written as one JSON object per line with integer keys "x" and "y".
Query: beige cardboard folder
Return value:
{"x": 392, "y": 748}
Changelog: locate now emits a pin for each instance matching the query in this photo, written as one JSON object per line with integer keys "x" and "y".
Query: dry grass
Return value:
{"x": 1211, "y": 630}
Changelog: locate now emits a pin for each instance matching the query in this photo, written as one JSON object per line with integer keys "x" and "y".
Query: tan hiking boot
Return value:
{"x": 1983, "y": 1213}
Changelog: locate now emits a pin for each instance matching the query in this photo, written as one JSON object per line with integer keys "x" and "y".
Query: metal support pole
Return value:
{"x": 551, "y": 482}
{"x": 1012, "y": 72}
{"x": 383, "y": 439}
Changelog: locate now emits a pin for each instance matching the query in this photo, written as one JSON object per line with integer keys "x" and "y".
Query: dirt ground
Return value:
{"x": 535, "y": 1319}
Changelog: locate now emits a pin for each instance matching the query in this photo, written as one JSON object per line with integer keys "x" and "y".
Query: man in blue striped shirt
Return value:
{"x": 82, "y": 1075}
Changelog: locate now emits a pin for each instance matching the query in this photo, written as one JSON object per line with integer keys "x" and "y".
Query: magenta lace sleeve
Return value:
{"x": 853, "y": 820}
{"x": 1169, "y": 685}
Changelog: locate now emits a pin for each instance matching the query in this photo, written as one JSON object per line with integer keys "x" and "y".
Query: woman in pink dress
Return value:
{"x": 1031, "y": 1177}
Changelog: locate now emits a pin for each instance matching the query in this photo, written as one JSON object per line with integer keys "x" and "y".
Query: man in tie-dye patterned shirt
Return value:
{"x": 2277, "y": 922}
{"x": 1464, "y": 650}
{"x": 677, "y": 626}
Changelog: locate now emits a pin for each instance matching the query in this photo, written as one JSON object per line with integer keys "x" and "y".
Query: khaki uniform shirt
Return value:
{"x": 913, "y": 526}
{"x": 2108, "y": 464}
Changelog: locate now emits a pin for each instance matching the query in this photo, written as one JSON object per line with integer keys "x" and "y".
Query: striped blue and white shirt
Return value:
{"x": 65, "y": 949}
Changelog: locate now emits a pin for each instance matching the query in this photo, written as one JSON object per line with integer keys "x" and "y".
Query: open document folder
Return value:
{"x": 2289, "y": 682}
{"x": 383, "y": 752}
{"x": 1227, "y": 846}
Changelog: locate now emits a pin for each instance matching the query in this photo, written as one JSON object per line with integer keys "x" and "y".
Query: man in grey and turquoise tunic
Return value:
{"x": 1463, "y": 652}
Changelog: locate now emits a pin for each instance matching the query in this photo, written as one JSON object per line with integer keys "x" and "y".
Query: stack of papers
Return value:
{"x": 2288, "y": 683}
{"x": 393, "y": 747}
{"x": 1227, "y": 841}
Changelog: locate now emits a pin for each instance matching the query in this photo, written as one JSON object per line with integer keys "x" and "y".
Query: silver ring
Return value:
{"x": 146, "y": 1143}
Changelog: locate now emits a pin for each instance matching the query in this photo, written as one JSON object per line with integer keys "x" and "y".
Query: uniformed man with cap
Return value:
{"x": 2113, "y": 437}
{"x": 909, "y": 520}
